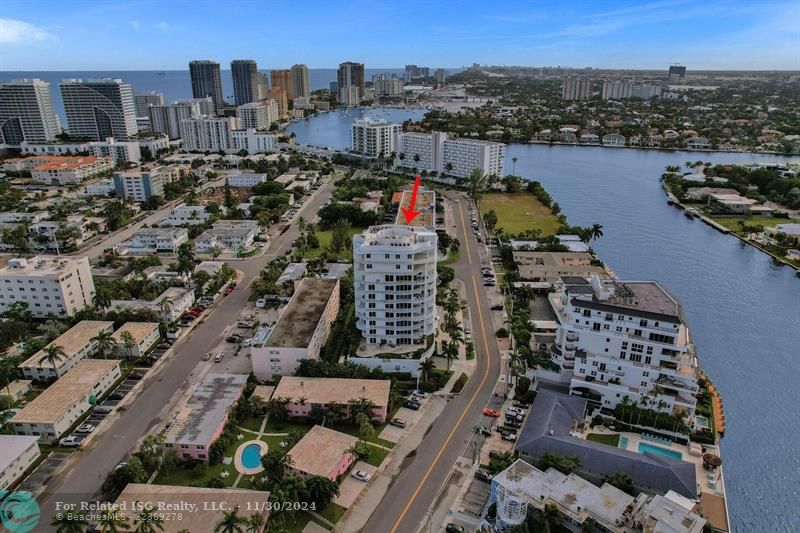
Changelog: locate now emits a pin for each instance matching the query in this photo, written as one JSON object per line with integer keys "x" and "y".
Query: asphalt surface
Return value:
{"x": 85, "y": 473}
{"x": 417, "y": 486}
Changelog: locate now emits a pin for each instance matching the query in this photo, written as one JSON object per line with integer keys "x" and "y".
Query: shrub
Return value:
{"x": 458, "y": 386}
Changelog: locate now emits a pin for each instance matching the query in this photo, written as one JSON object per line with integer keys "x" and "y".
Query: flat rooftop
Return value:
{"x": 51, "y": 405}
{"x": 41, "y": 265}
{"x": 66, "y": 163}
{"x": 207, "y": 504}
{"x": 606, "y": 503}
{"x": 645, "y": 298}
{"x": 12, "y": 446}
{"x": 426, "y": 204}
{"x": 139, "y": 330}
{"x": 292, "y": 271}
{"x": 320, "y": 450}
{"x": 300, "y": 318}
{"x": 326, "y": 390}
{"x": 15, "y": 387}
{"x": 71, "y": 341}
{"x": 206, "y": 408}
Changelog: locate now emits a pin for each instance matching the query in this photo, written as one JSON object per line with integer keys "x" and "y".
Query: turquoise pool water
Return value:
{"x": 251, "y": 456}
{"x": 658, "y": 450}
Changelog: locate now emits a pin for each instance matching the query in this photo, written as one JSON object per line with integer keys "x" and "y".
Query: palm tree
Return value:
{"x": 113, "y": 522}
{"x": 69, "y": 523}
{"x": 255, "y": 524}
{"x": 53, "y": 353}
{"x": 322, "y": 490}
{"x": 167, "y": 306}
{"x": 477, "y": 181}
{"x": 129, "y": 342}
{"x": 596, "y": 231}
{"x": 514, "y": 165}
{"x": 426, "y": 367}
{"x": 551, "y": 517}
{"x": 231, "y": 522}
{"x": 8, "y": 372}
{"x": 104, "y": 343}
{"x": 361, "y": 405}
{"x": 148, "y": 522}
{"x": 450, "y": 351}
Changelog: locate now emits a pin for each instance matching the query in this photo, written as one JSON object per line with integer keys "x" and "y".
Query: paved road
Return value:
{"x": 83, "y": 477}
{"x": 415, "y": 488}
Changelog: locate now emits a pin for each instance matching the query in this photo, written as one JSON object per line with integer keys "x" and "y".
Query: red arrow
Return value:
{"x": 409, "y": 211}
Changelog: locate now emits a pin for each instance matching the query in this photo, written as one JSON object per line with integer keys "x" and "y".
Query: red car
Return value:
{"x": 228, "y": 291}
{"x": 491, "y": 412}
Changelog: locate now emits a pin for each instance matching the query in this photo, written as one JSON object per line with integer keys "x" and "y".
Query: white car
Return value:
{"x": 361, "y": 475}
{"x": 84, "y": 428}
{"x": 261, "y": 303}
{"x": 218, "y": 357}
{"x": 71, "y": 442}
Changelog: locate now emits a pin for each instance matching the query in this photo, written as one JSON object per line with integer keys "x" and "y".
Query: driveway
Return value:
{"x": 351, "y": 487}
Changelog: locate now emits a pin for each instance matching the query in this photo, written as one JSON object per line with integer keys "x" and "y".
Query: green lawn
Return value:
{"x": 274, "y": 426}
{"x": 332, "y": 513}
{"x": 608, "y": 440}
{"x": 325, "y": 242}
{"x": 518, "y": 212}
{"x": 187, "y": 476}
{"x": 252, "y": 423}
{"x": 452, "y": 257}
{"x": 352, "y": 429}
{"x": 376, "y": 455}
{"x": 732, "y": 223}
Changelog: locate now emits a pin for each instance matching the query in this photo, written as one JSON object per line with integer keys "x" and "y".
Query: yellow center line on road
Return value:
{"x": 468, "y": 406}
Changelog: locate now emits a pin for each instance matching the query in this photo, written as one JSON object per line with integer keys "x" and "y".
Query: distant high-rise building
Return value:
{"x": 577, "y": 90}
{"x": 453, "y": 156}
{"x": 246, "y": 79}
{"x": 282, "y": 79}
{"x": 386, "y": 87}
{"x": 677, "y": 72}
{"x": 334, "y": 88}
{"x": 99, "y": 108}
{"x": 208, "y": 134}
{"x": 300, "y": 84}
{"x": 440, "y": 75}
{"x": 142, "y": 101}
{"x": 374, "y": 138}
{"x": 257, "y": 115}
{"x": 278, "y": 94}
{"x": 26, "y": 112}
{"x": 351, "y": 75}
{"x": 167, "y": 119}
{"x": 618, "y": 90}
{"x": 207, "y": 81}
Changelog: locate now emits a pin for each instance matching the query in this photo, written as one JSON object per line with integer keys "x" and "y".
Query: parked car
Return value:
{"x": 228, "y": 291}
{"x": 104, "y": 409}
{"x": 84, "y": 428}
{"x": 508, "y": 436}
{"x": 411, "y": 404}
{"x": 218, "y": 357}
{"x": 493, "y": 454}
{"x": 483, "y": 430}
{"x": 116, "y": 396}
{"x": 490, "y": 283}
{"x": 71, "y": 442}
{"x": 491, "y": 412}
{"x": 261, "y": 303}
{"x": 135, "y": 376}
{"x": 454, "y": 528}
{"x": 498, "y": 307}
{"x": 234, "y": 338}
{"x": 483, "y": 475}
{"x": 515, "y": 410}
{"x": 398, "y": 422}
{"x": 521, "y": 405}
{"x": 361, "y": 475}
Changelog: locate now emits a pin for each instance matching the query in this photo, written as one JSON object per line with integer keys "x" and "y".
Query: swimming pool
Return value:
{"x": 623, "y": 442}
{"x": 251, "y": 456}
{"x": 658, "y": 450}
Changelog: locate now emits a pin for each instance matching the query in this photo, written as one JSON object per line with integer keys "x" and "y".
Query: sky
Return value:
{"x": 166, "y": 34}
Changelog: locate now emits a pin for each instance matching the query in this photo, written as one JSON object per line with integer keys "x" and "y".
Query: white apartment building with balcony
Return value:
{"x": 186, "y": 215}
{"x": 99, "y": 108}
{"x": 373, "y": 138}
{"x": 26, "y": 112}
{"x": 149, "y": 240}
{"x": 624, "y": 338}
{"x": 452, "y": 156}
{"x": 50, "y": 285}
{"x": 208, "y": 134}
{"x": 395, "y": 284}
{"x": 245, "y": 179}
{"x": 257, "y": 115}
{"x": 253, "y": 142}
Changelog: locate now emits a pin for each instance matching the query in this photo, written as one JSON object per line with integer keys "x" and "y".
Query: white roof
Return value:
{"x": 12, "y": 446}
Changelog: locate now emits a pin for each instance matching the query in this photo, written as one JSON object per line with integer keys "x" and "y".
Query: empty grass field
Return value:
{"x": 518, "y": 212}
{"x": 602, "y": 438}
{"x": 732, "y": 223}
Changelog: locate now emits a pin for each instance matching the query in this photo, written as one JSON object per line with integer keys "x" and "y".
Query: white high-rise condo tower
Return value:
{"x": 99, "y": 108}
{"x": 26, "y": 112}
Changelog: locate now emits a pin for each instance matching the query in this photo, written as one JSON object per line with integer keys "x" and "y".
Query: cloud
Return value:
{"x": 163, "y": 26}
{"x": 134, "y": 24}
{"x": 19, "y": 32}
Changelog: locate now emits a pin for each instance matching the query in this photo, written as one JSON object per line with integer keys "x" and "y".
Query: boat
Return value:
{"x": 691, "y": 212}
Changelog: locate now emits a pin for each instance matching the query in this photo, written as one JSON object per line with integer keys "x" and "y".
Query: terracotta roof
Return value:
{"x": 320, "y": 450}
{"x": 66, "y": 163}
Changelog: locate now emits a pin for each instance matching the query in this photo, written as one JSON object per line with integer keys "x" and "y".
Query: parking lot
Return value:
{"x": 35, "y": 482}
{"x": 476, "y": 497}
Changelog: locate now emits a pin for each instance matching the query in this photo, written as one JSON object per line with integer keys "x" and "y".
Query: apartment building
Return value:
{"x": 246, "y": 81}
{"x": 142, "y": 102}
{"x": 60, "y": 405}
{"x": 50, "y": 285}
{"x": 142, "y": 184}
{"x": 576, "y": 90}
{"x": 144, "y": 334}
{"x": 300, "y": 83}
{"x": 236, "y": 235}
{"x": 439, "y": 152}
{"x": 620, "y": 339}
{"x": 323, "y": 452}
{"x": 17, "y": 454}
{"x": 254, "y": 142}
{"x": 70, "y": 170}
{"x": 26, "y": 112}
{"x": 281, "y": 98}
{"x": 77, "y": 343}
{"x": 305, "y": 394}
{"x": 551, "y": 266}
{"x": 201, "y": 420}
{"x": 149, "y": 240}
{"x": 257, "y": 115}
{"x": 99, "y": 108}
{"x": 207, "y": 81}
{"x": 620, "y": 90}
{"x": 392, "y": 88}
{"x": 425, "y": 204}
{"x": 186, "y": 215}
{"x": 239, "y": 179}
{"x": 395, "y": 284}
{"x": 282, "y": 79}
{"x": 373, "y": 138}
{"x": 208, "y": 134}
{"x": 301, "y": 331}
{"x": 351, "y": 75}
{"x": 170, "y": 304}
{"x": 167, "y": 119}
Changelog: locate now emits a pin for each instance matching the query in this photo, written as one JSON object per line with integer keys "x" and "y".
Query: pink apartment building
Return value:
{"x": 307, "y": 393}
{"x": 323, "y": 452}
{"x": 202, "y": 418}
